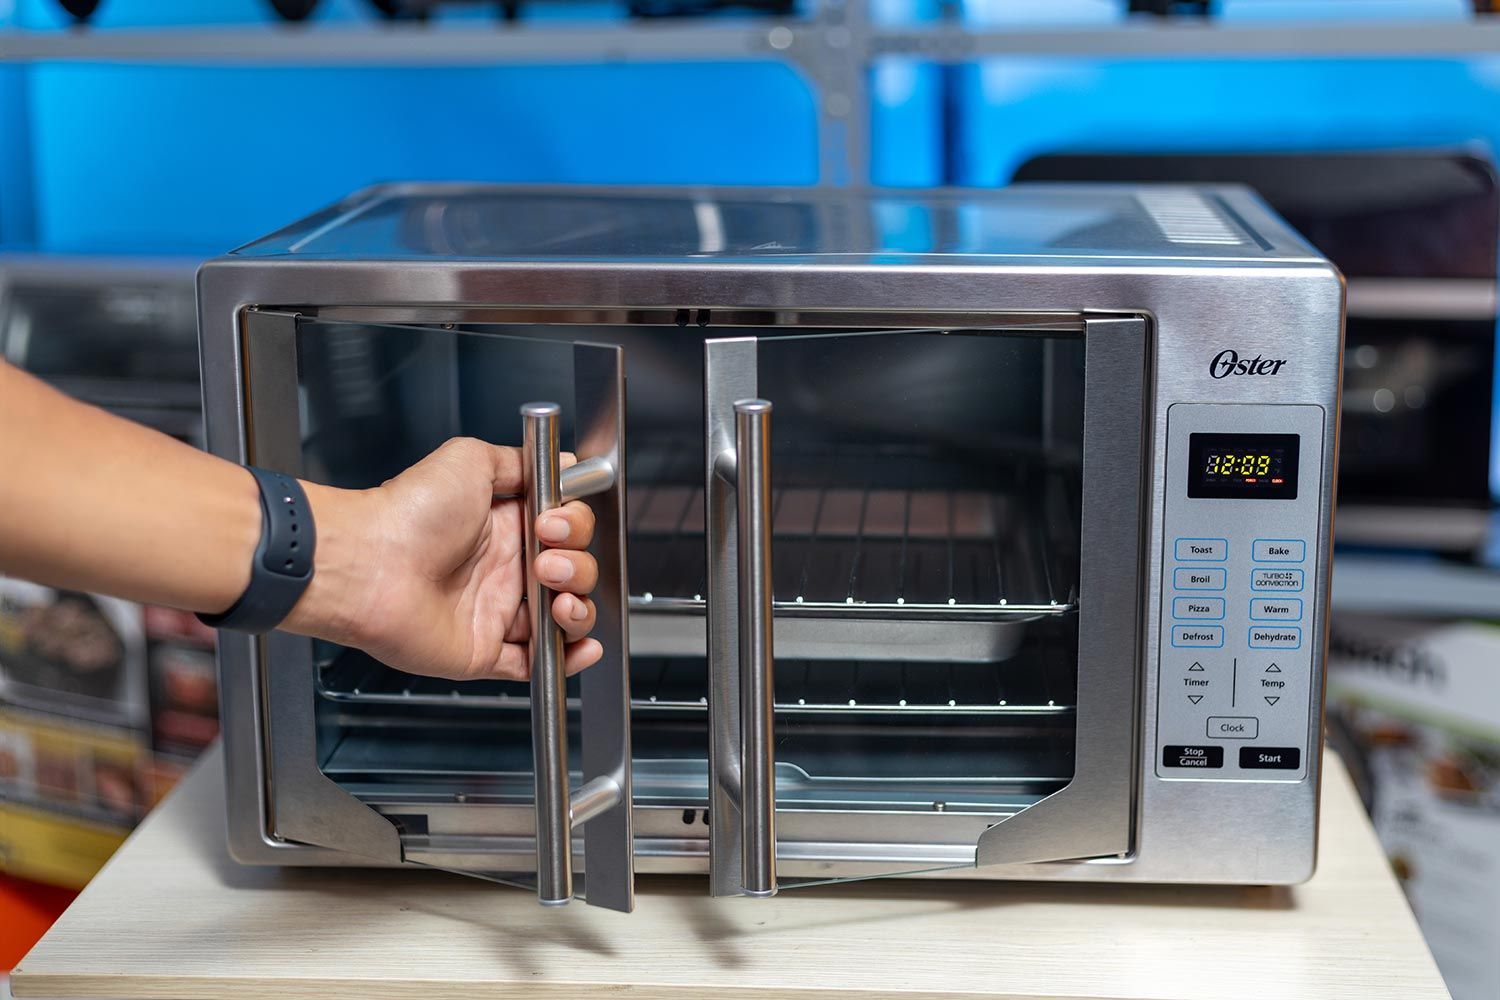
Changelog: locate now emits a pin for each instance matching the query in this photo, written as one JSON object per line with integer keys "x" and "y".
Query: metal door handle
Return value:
{"x": 557, "y": 811}
{"x": 742, "y": 814}
{"x": 752, "y": 449}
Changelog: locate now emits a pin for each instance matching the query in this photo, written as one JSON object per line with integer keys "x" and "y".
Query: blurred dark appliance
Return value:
{"x": 120, "y": 334}
{"x": 1415, "y": 234}
{"x": 1034, "y": 526}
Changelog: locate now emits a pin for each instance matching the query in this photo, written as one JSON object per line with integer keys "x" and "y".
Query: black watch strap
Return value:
{"x": 283, "y": 562}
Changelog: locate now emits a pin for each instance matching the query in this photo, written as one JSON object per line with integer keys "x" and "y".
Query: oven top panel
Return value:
{"x": 1047, "y": 223}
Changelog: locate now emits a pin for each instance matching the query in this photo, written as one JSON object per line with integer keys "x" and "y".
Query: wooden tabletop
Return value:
{"x": 172, "y": 916}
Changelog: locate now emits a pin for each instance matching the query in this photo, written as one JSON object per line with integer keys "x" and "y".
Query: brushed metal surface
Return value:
{"x": 303, "y": 805}
{"x": 729, "y": 374}
{"x": 1092, "y": 814}
{"x": 604, "y": 716}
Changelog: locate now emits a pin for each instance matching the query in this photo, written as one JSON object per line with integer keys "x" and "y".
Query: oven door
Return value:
{"x": 943, "y": 530}
{"x": 362, "y": 759}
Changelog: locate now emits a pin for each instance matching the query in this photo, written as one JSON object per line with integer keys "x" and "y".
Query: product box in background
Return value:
{"x": 1416, "y": 709}
{"x": 78, "y": 655}
{"x": 103, "y": 704}
{"x": 183, "y": 680}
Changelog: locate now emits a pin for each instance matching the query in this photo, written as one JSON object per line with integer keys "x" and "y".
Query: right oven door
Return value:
{"x": 924, "y": 558}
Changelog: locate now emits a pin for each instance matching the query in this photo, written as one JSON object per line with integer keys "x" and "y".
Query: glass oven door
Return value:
{"x": 923, "y": 578}
{"x": 395, "y": 768}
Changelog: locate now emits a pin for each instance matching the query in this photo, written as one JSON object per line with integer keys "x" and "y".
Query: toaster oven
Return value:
{"x": 955, "y": 534}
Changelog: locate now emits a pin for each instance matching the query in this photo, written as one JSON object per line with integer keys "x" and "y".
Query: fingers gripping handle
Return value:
{"x": 557, "y": 812}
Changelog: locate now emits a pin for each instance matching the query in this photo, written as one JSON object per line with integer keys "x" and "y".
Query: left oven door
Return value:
{"x": 466, "y": 776}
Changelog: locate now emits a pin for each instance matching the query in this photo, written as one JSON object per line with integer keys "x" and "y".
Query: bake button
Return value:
{"x": 1225, "y": 727}
{"x": 1275, "y": 637}
{"x": 1200, "y": 757}
{"x": 1270, "y": 758}
{"x": 1202, "y": 549}
{"x": 1197, "y": 636}
{"x": 1278, "y": 550}
{"x": 1276, "y": 609}
{"x": 1193, "y": 578}
{"x": 1276, "y": 579}
{"x": 1198, "y": 607}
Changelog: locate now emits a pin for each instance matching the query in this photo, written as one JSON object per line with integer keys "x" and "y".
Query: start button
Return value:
{"x": 1270, "y": 758}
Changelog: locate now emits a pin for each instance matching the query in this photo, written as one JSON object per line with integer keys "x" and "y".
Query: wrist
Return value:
{"x": 345, "y": 566}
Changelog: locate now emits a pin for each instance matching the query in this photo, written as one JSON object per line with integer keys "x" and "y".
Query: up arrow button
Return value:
{"x": 1195, "y": 667}
{"x": 1273, "y": 669}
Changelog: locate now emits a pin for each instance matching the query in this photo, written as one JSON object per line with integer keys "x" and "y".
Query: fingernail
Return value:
{"x": 555, "y": 568}
{"x": 580, "y": 610}
{"x": 552, "y": 529}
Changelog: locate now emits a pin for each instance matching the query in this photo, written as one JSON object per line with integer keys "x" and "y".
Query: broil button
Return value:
{"x": 1270, "y": 758}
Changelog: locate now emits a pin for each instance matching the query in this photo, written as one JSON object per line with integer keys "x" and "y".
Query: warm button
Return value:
{"x": 1276, "y": 609}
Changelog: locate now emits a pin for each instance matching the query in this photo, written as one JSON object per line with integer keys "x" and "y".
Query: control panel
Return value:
{"x": 1243, "y": 500}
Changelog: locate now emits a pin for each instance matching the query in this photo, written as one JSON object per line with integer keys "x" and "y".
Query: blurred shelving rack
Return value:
{"x": 834, "y": 45}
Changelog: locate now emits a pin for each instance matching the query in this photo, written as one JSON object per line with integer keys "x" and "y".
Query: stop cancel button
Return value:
{"x": 1228, "y": 727}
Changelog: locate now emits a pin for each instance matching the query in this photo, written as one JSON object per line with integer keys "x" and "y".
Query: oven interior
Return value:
{"x": 926, "y": 522}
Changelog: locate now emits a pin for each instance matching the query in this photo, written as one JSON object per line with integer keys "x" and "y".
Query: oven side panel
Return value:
{"x": 225, "y": 289}
{"x": 1241, "y": 824}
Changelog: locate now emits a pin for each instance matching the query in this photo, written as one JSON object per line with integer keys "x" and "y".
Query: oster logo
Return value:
{"x": 1228, "y": 362}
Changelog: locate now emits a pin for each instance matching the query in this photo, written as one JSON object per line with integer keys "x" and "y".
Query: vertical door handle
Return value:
{"x": 752, "y": 451}
{"x": 557, "y": 811}
{"x": 742, "y": 814}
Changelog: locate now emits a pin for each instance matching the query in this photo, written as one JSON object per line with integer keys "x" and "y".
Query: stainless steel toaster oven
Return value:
{"x": 956, "y": 534}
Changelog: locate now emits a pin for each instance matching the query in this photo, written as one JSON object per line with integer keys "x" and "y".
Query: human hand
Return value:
{"x": 426, "y": 572}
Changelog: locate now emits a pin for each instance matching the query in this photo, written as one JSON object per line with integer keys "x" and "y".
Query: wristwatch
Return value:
{"x": 283, "y": 563}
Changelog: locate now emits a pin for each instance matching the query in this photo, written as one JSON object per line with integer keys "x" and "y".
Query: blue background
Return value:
{"x": 136, "y": 158}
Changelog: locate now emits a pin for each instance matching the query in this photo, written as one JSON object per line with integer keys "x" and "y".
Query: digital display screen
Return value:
{"x": 1243, "y": 466}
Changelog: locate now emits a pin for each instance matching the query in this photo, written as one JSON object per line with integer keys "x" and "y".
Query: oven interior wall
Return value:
{"x": 926, "y": 492}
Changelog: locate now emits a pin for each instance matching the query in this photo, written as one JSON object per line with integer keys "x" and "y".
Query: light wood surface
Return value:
{"x": 173, "y": 917}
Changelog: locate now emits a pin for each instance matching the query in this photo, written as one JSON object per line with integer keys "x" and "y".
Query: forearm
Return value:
{"x": 91, "y": 501}
{"x": 426, "y": 572}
